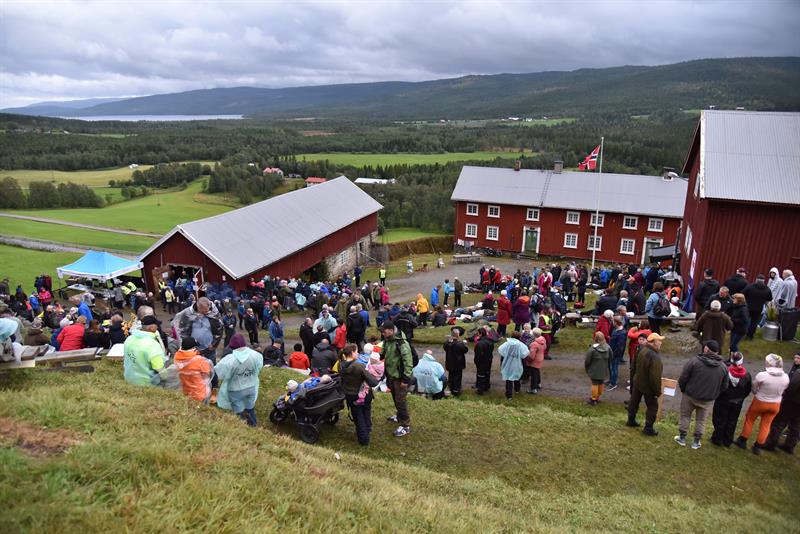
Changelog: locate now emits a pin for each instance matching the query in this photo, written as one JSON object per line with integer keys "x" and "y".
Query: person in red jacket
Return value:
{"x": 71, "y": 337}
{"x": 340, "y": 336}
{"x": 497, "y": 279}
{"x": 604, "y": 324}
{"x": 503, "y": 313}
{"x": 485, "y": 281}
{"x": 298, "y": 359}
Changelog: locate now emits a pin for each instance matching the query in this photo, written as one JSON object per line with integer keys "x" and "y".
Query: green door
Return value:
{"x": 531, "y": 241}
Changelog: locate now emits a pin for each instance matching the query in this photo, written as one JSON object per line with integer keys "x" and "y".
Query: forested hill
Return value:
{"x": 753, "y": 83}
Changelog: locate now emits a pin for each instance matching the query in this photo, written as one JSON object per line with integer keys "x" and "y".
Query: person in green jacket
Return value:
{"x": 144, "y": 355}
{"x": 238, "y": 374}
{"x": 596, "y": 365}
{"x": 398, "y": 364}
{"x": 646, "y": 384}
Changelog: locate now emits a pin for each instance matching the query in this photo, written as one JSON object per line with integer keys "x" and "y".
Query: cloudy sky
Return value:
{"x": 81, "y": 49}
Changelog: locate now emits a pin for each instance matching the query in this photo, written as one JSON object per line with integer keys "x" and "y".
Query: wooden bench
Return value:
{"x": 467, "y": 258}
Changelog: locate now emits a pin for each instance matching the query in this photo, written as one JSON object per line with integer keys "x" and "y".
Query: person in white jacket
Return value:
{"x": 768, "y": 388}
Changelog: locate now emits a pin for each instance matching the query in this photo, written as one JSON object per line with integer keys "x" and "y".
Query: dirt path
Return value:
{"x": 53, "y": 246}
{"x": 78, "y": 225}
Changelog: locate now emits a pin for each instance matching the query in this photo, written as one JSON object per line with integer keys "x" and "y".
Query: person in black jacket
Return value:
{"x": 740, "y": 316}
{"x": 355, "y": 327}
{"x": 789, "y": 414}
{"x": 738, "y": 281}
{"x": 757, "y": 295}
{"x": 636, "y": 299}
{"x": 702, "y": 380}
{"x": 728, "y": 405}
{"x": 484, "y": 348}
{"x": 455, "y": 360}
{"x": 354, "y": 374}
{"x": 725, "y": 301}
{"x": 406, "y": 323}
{"x": 307, "y": 335}
{"x": 116, "y": 334}
{"x": 607, "y": 302}
{"x": 705, "y": 289}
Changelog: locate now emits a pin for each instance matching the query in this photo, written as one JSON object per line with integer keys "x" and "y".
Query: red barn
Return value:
{"x": 334, "y": 222}
{"x": 552, "y": 213}
{"x": 742, "y": 204}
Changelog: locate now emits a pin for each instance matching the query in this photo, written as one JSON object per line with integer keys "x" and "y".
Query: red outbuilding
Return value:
{"x": 742, "y": 206}
{"x": 333, "y": 223}
{"x": 552, "y": 213}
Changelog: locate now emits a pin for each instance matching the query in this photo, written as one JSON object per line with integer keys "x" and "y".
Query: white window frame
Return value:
{"x": 635, "y": 219}
{"x": 577, "y": 213}
{"x": 599, "y": 242}
{"x": 601, "y": 219}
{"x": 497, "y": 233}
{"x": 687, "y": 243}
{"x": 473, "y": 235}
{"x": 659, "y": 240}
{"x": 489, "y": 211}
{"x": 650, "y": 222}
{"x": 470, "y": 212}
{"x": 535, "y": 216}
{"x": 622, "y": 246}
{"x": 568, "y": 235}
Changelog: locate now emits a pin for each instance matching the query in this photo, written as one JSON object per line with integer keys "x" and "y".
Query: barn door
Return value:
{"x": 158, "y": 274}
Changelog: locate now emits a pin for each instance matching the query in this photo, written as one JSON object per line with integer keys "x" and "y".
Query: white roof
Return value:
{"x": 245, "y": 240}
{"x": 752, "y": 156}
{"x": 619, "y": 193}
{"x": 378, "y": 181}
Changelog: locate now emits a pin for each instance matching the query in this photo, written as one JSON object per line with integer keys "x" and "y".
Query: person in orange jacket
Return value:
{"x": 194, "y": 370}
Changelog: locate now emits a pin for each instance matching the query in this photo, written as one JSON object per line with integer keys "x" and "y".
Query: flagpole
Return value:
{"x": 597, "y": 203}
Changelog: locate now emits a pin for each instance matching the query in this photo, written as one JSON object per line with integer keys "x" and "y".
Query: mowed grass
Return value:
{"x": 146, "y": 458}
{"x": 22, "y": 265}
{"x": 155, "y": 213}
{"x": 358, "y": 159}
{"x": 92, "y": 177}
{"x": 73, "y": 235}
{"x": 393, "y": 235}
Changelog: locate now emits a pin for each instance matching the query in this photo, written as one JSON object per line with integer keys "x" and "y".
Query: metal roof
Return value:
{"x": 619, "y": 193}
{"x": 245, "y": 240}
{"x": 752, "y": 156}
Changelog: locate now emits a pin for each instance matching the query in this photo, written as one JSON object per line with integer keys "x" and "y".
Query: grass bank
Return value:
{"x": 393, "y": 235}
{"x": 22, "y": 265}
{"x": 90, "y": 452}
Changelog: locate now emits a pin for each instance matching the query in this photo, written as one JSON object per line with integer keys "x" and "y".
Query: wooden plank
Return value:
{"x": 669, "y": 388}
{"x": 82, "y": 355}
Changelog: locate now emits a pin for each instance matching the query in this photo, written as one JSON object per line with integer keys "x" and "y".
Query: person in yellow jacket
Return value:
{"x": 423, "y": 308}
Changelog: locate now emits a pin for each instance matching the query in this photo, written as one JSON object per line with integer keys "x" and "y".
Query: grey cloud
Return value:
{"x": 85, "y": 49}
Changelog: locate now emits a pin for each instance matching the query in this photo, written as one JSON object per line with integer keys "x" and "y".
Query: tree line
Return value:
{"x": 47, "y": 195}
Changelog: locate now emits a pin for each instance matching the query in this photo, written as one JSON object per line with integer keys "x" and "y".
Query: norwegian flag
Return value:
{"x": 590, "y": 162}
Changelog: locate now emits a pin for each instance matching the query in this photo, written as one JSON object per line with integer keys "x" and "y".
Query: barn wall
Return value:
{"x": 695, "y": 216}
{"x": 552, "y": 224}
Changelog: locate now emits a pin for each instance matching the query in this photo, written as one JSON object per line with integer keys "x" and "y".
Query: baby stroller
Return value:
{"x": 311, "y": 408}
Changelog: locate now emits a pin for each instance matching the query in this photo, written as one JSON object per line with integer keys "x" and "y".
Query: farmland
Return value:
{"x": 74, "y": 236}
{"x": 21, "y": 265}
{"x": 358, "y": 159}
{"x": 94, "y": 178}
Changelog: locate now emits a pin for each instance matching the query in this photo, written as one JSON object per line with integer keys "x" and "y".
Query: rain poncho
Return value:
{"x": 144, "y": 357}
{"x": 512, "y": 353}
{"x": 429, "y": 373}
{"x": 238, "y": 371}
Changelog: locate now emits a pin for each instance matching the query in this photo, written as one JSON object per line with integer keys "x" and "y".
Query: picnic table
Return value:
{"x": 472, "y": 257}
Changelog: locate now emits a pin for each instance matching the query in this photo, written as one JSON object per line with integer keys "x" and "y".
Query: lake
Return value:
{"x": 155, "y": 118}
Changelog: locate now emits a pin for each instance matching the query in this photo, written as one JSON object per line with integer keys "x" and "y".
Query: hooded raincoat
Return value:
{"x": 512, "y": 353}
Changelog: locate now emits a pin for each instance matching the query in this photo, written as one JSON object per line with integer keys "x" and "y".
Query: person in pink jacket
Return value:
{"x": 768, "y": 388}
{"x": 533, "y": 362}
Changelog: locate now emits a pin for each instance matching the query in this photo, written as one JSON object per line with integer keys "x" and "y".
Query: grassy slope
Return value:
{"x": 393, "y": 235}
{"x": 22, "y": 265}
{"x": 157, "y": 213}
{"x": 93, "y": 177}
{"x": 150, "y": 458}
{"x": 73, "y": 235}
{"x": 360, "y": 159}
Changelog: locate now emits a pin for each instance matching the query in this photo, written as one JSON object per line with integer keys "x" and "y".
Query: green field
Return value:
{"x": 393, "y": 235}
{"x": 21, "y": 265}
{"x": 114, "y": 457}
{"x": 358, "y": 159}
{"x": 73, "y": 235}
{"x": 91, "y": 178}
{"x": 156, "y": 213}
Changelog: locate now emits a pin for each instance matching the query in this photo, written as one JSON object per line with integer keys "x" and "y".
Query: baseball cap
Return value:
{"x": 150, "y": 319}
{"x": 655, "y": 337}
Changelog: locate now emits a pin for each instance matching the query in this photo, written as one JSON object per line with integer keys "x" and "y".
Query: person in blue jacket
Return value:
{"x": 434, "y": 297}
{"x": 276, "y": 331}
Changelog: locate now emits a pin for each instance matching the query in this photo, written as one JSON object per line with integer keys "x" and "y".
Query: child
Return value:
{"x": 194, "y": 370}
{"x": 299, "y": 359}
{"x": 375, "y": 368}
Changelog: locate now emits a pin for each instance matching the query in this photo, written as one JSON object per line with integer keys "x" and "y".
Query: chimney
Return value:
{"x": 558, "y": 166}
{"x": 517, "y": 165}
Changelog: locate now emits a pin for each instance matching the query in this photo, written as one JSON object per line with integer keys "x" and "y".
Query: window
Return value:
{"x": 573, "y": 217}
{"x": 626, "y": 246}
{"x": 472, "y": 230}
{"x": 494, "y": 211}
{"x": 532, "y": 215}
{"x": 655, "y": 225}
{"x": 595, "y": 243}
{"x": 599, "y": 218}
{"x": 343, "y": 258}
{"x": 570, "y": 240}
{"x": 630, "y": 222}
{"x": 472, "y": 209}
{"x": 687, "y": 245}
{"x": 492, "y": 233}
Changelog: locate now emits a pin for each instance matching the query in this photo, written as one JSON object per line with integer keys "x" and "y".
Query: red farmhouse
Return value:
{"x": 334, "y": 222}
{"x": 743, "y": 201}
{"x": 551, "y": 213}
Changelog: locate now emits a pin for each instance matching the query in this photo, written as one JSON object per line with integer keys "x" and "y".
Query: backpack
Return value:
{"x": 536, "y": 304}
{"x": 661, "y": 308}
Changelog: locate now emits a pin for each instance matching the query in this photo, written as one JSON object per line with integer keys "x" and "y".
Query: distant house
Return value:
{"x": 272, "y": 170}
{"x": 133, "y": 166}
{"x": 374, "y": 181}
{"x": 293, "y": 175}
{"x": 314, "y": 180}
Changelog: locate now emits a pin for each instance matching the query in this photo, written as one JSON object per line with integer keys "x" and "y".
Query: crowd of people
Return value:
{"x": 632, "y": 306}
